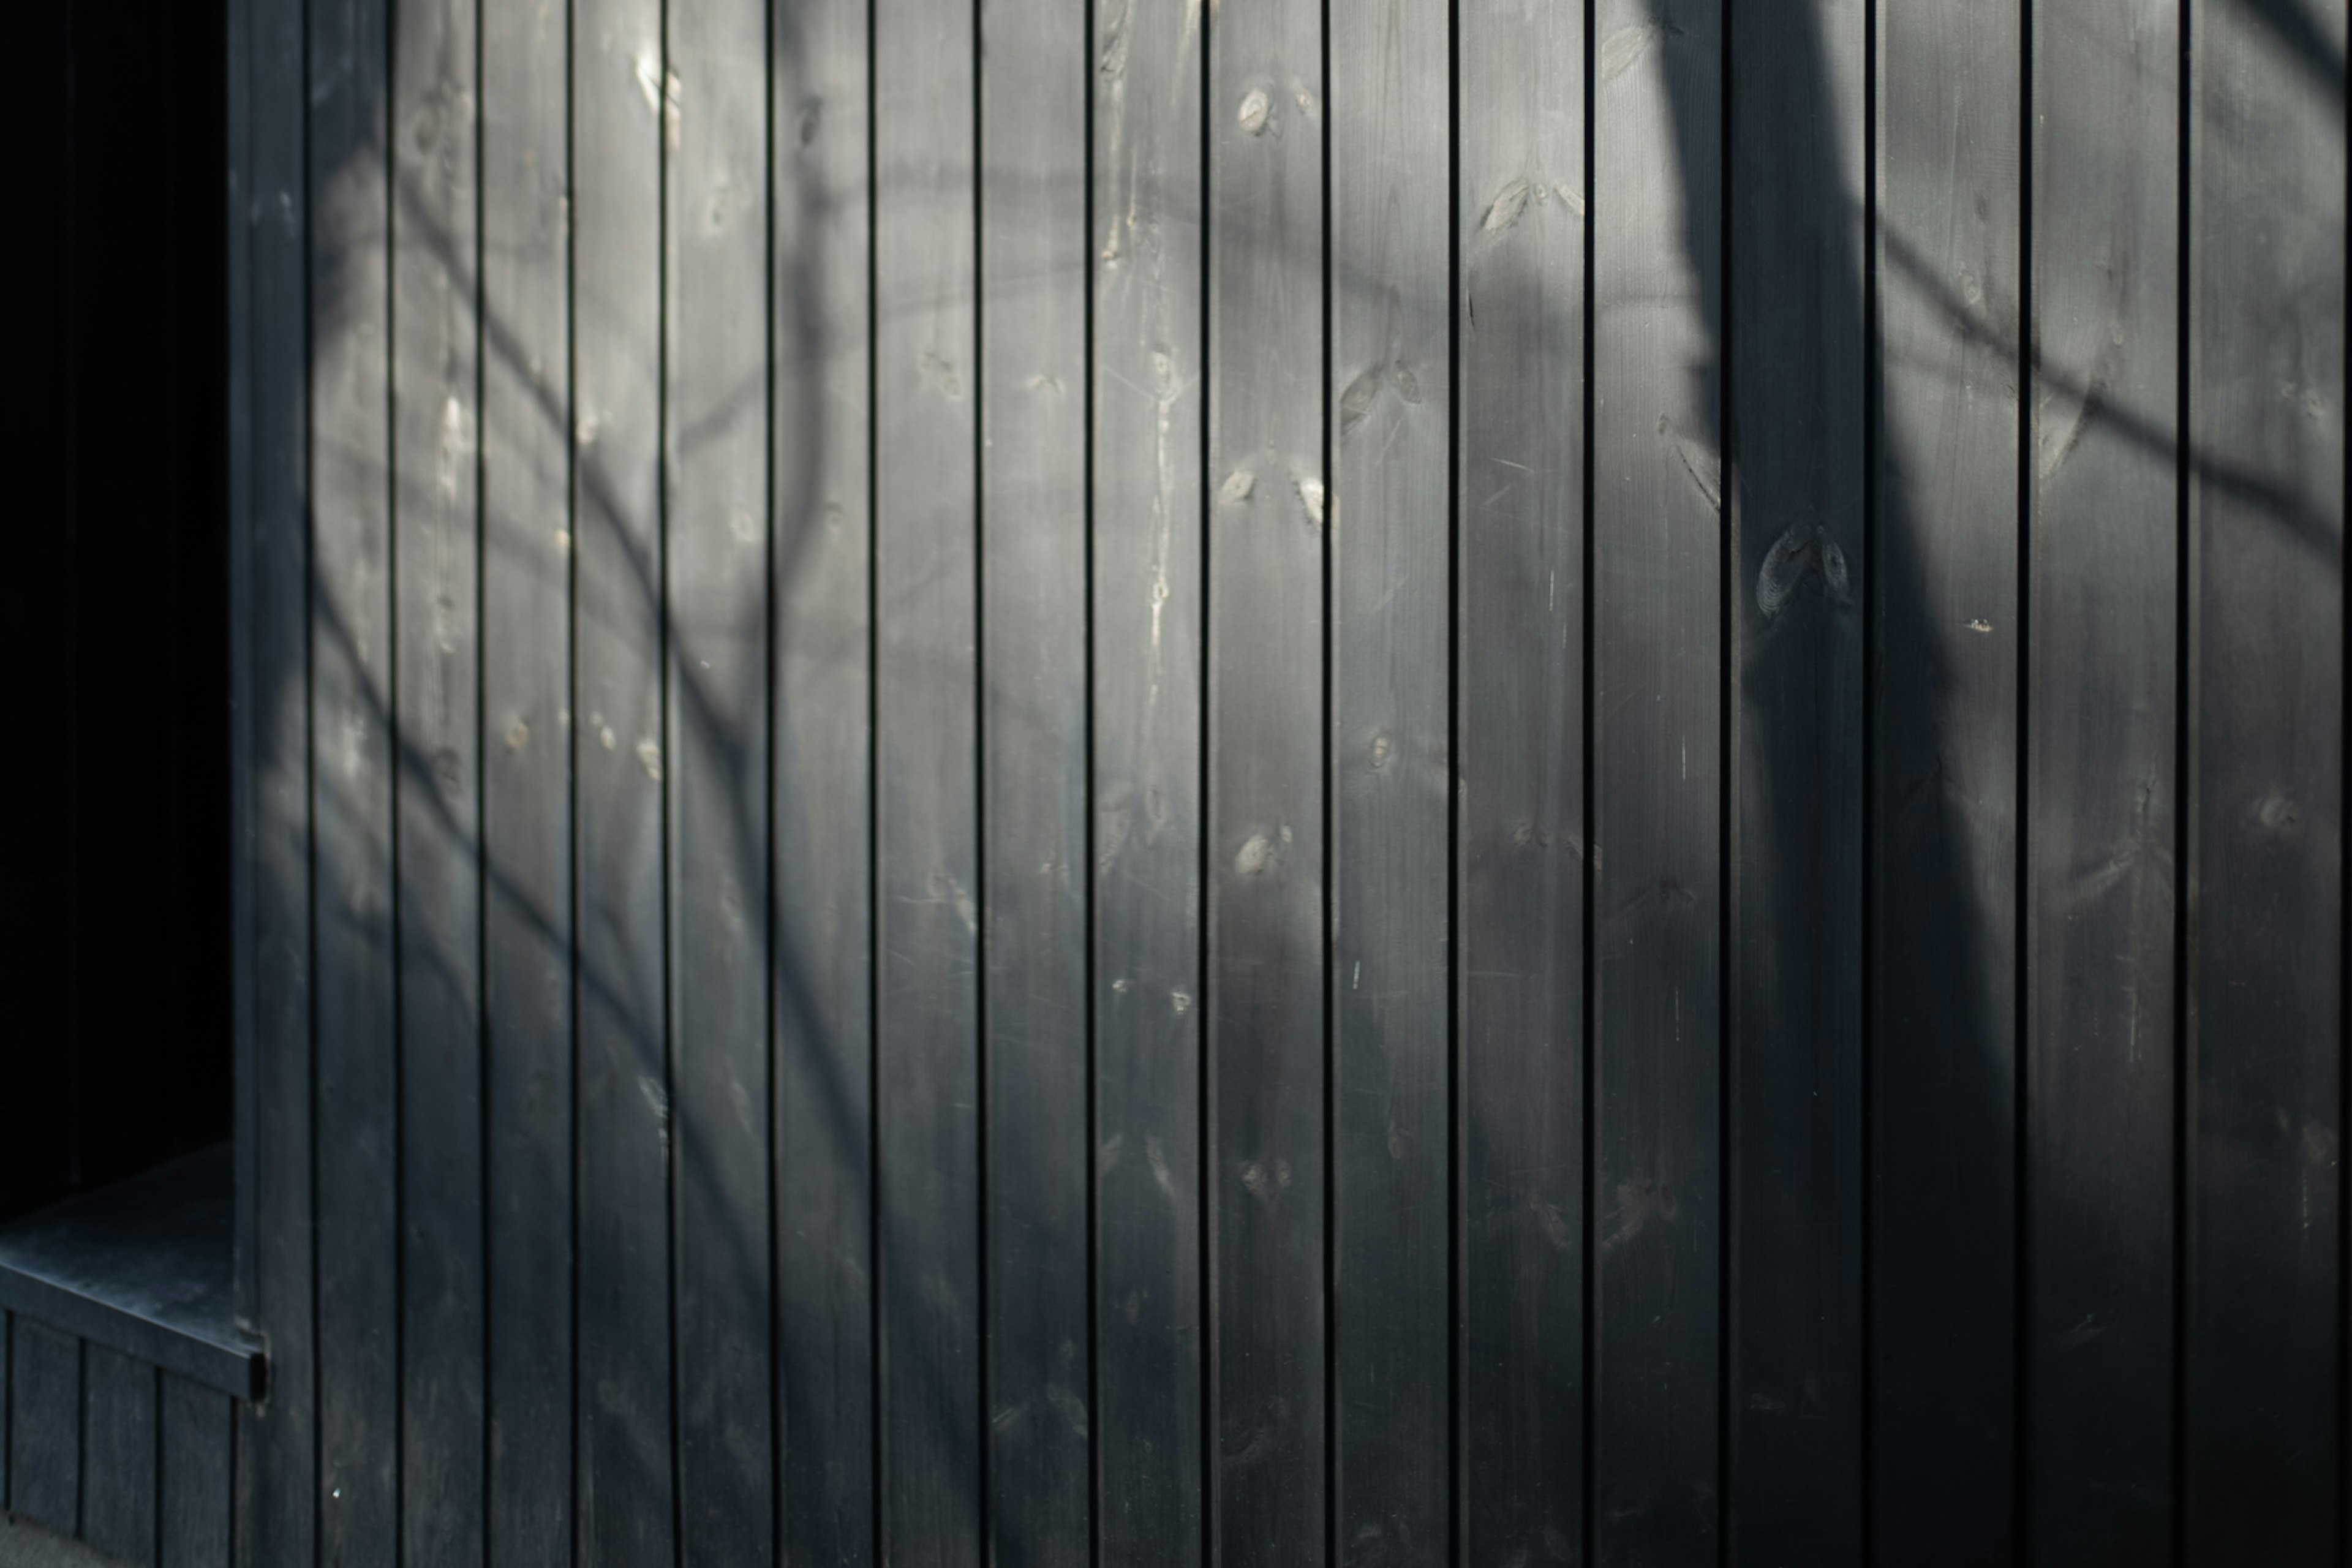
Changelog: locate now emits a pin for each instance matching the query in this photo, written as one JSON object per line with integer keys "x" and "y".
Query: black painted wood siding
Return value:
{"x": 139, "y": 1462}
{"x": 1277, "y": 782}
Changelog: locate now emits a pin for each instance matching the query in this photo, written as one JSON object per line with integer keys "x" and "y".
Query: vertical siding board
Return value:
{"x": 1032, "y": 770}
{"x": 926, "y": 672}
{"x": 435, "y": 500}
{"x": 1520, "y": 229}
{"x": 1657, "y": 814}
{"x": 822, "y": 982}
{"x": 1945, "y": 775}
{"x": 118, "y": 1455}
{"x": 1392, "y": 1154}
{"x": 2101, "y": 784}
{"x": 244, "y": 753}
{"x": 45, "y": 1425}
{"x": 199, "y": 1432}
{"x": 1145, "y": 388}
{"x": 1795, "y": 309}
{"x": 527, "y": 983}
{"x": 714, "y": 765}
{"x": 625, "y": 1476}
{"x": 352, "y": 644}
{"x": 270, "y": 542}
{"x": 1265, "y": 733}
{"x": 2265, "y": 1314}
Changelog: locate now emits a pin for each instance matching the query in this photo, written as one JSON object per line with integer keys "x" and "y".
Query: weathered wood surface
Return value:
{"x": 528, "y": 1011}
{"x": 2101, "y": 799}
{"x": 930, "y": 1224}
{"x": 436, "y": 686}
{"x": 119, "y": 1448}
{"x": 1522, "y": 829}
{"x": 1266, "y": 727}
{"x": 1031, "y": 386}
{"x": 1145, "y": 391}
{"x": 136, "y": 1461}
{"x": 44, "y": 1425}
{"x": 1795, "y": 302}
{"x": 1390, "y": 430}
{"x": 1945, "y": 595}
{"x": 712, "y": 762}
{"x": 356, "y": 1166}
{"x": 275, "y": 982}
{"x": 1657, "y": 809}
{"x": 199, "y": 1470}
{"x": 2265, "y": 1279}
{"x": 624, "y": 1476}
{"x": 821, "y": 981}
{"x": 1158, "y": 781}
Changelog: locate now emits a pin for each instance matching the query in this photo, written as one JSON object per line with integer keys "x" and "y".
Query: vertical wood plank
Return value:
{"x": 2102, "y": 783}
{"x": 715, "y": 763}
{"x": 1944, "y": 891}
{"x": 269, "y": 588}
{"x": 1520, "y": 229}
{"x": 1145, "y": 389}
{"x": 822, "y": 1003}
{"x": 1033, "y": 907}
{"x": 1657, "y": 809}
{"x": 1391, "y": 585}
{"x": 436, "y": 643}
{"x": 357, "y": 1163}
{"x": 626, "y": 1481}
{"x": 45, "y": 1425}
{"x": 199, "y": 1434}
{"x": 2265, "y": 1318}
{"x": 526, "y": 652}
{"x": 1265, "y": 725}
{"x": 119, "y": 1415}
{"x": 926, "y": 671}
{"x": 1795, "y": 314}
{"x": 238, "y": 463}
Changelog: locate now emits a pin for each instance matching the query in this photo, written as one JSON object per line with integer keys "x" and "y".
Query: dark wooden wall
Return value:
{"x": 1447, "y": 780}
{"x": 114, "y": 931}
{"x": 136, "y": 1461}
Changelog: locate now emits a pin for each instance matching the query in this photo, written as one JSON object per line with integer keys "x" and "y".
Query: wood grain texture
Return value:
{"x": 1944, "y": 891}
{"x": 2102, "y": 784}
{"x": 1093, "y": 908}
{"x": 713, "y": 766}
{"x": 118, "y": 1454}
{"x": 44, "y": 1425}
{"x": 198, "y": 1474}
{"x": 2265, "y": 1316}
{"x": 269, "y": 587}
{"x": 1265, "y": 730}
{"x": 625, "y": 1476}
{"x": 357, "y": 1158}
{"x": 1521, "y": 813}
{"x": 526, "y": 743}
{"x": 1391, "y": 423}
{"x": 823, "y": 979}
{"x": 436, "y": 646}
{"x": 1145, "y": 392}
{"x": 1034, "y": 79}
{"x": 1658, "y": 780}
{"x": 927, "y": 679}
{"x": 1795, "y": 305}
